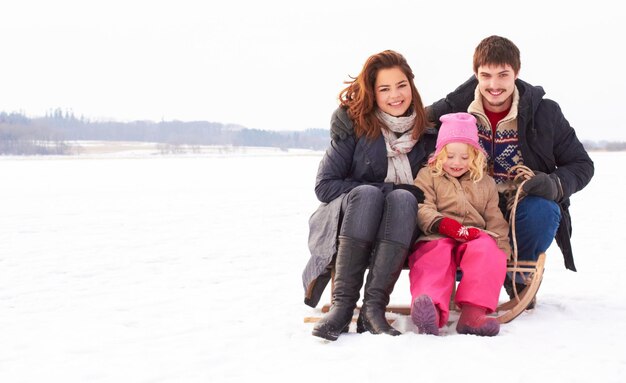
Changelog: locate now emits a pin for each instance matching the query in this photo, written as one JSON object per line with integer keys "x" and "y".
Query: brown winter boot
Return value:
{"x": 474, "y": 320}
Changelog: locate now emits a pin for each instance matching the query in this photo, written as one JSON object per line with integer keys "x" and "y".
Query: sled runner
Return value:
{"x": 532, "y": 273}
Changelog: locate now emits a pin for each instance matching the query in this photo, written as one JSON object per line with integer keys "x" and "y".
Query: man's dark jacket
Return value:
{"x": 547, "y": 141}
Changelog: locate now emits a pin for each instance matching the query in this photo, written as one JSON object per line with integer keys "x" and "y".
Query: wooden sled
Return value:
{"x": 531, "y": 272}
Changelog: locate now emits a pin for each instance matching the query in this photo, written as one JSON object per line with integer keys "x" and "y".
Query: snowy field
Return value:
{"x": 148, "y": 268}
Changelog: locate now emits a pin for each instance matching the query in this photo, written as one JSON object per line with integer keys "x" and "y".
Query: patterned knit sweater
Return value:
{"x": 502, "y": 147}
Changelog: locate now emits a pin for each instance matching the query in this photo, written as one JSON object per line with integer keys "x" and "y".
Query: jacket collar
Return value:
{"x": 477, "y": 106}
{"x": 529, "y": 95}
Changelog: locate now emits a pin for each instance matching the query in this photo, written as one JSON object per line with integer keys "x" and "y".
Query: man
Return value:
{"x": 518, "y": 126}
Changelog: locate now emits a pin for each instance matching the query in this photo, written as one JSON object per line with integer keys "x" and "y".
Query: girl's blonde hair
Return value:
{"x": 477, "y": 163}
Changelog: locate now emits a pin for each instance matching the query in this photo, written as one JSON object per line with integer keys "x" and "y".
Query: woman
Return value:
{"x": 369, "y": 203}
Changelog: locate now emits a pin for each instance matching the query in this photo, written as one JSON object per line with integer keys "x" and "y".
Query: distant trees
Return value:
{"x": 20, "y": 135}
{"x": 609, "y": 146}
{"x": 49, "y": 134}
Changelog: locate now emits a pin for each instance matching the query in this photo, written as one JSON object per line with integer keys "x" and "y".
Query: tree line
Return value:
{"x": 21, "y": 135}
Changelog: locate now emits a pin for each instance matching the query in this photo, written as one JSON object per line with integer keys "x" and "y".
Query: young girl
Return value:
{"x": 369, "y": 202}
{"x": 463, "y": 227}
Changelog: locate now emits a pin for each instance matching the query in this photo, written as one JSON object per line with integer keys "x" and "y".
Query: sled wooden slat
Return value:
{"x": 397, "y": 309}
{"x": 354, "y": 318}
{"x": 506, "y": 312}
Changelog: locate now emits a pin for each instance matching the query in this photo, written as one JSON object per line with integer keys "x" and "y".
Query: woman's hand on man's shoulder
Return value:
{"x": 341, "y": 126}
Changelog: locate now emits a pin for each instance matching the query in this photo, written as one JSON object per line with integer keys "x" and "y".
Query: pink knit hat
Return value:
{"x": 457, "y": 127}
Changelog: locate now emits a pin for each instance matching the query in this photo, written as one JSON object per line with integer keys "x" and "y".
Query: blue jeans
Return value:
{"x": 536, "y": 222}
{"x": 369, "y": 215}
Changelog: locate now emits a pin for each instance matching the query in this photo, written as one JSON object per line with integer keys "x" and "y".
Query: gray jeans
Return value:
{"x": 369, "y": 215}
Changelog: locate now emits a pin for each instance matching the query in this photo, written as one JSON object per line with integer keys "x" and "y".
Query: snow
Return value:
{"x": 187, "y": 269}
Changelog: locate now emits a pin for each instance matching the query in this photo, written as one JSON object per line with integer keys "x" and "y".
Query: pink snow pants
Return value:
{"x": 432, "y": 271}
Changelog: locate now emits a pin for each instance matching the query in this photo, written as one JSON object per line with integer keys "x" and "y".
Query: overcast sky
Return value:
{"x": 280, "y": 64}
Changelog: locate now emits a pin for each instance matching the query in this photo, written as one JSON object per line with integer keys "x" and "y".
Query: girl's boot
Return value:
{"x": 474, "y": 320}
{"x": 425, "y": 315}
{"x": 353, "y": 257}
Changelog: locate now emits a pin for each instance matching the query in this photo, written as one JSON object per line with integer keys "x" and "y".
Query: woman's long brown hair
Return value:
{"x": 359, "y": 96}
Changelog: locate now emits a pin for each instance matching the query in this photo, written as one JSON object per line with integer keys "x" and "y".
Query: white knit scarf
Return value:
{"x": 398, "y": 165}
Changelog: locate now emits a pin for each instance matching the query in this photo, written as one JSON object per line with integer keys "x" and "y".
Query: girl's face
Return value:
{"x": 457, "y": 162}
{"x": 393, "y": 91}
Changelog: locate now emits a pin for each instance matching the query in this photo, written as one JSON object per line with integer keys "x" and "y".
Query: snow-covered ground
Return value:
{"x": 187, "y": 269}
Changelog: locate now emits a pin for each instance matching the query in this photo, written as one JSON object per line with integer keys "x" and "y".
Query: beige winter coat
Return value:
{"x": 472, "y": 204}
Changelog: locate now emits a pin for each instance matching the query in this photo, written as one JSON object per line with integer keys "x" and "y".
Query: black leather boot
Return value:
{"x": 385, "y": 268}
{"x": 353, "y": 257}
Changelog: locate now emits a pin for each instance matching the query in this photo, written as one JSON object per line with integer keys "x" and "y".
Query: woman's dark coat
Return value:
{"x": 347, "y": 164}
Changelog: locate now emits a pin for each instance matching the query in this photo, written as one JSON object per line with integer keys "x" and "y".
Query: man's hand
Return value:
{"x": 545, "y": 186}
{"x": 340, "y": 125}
